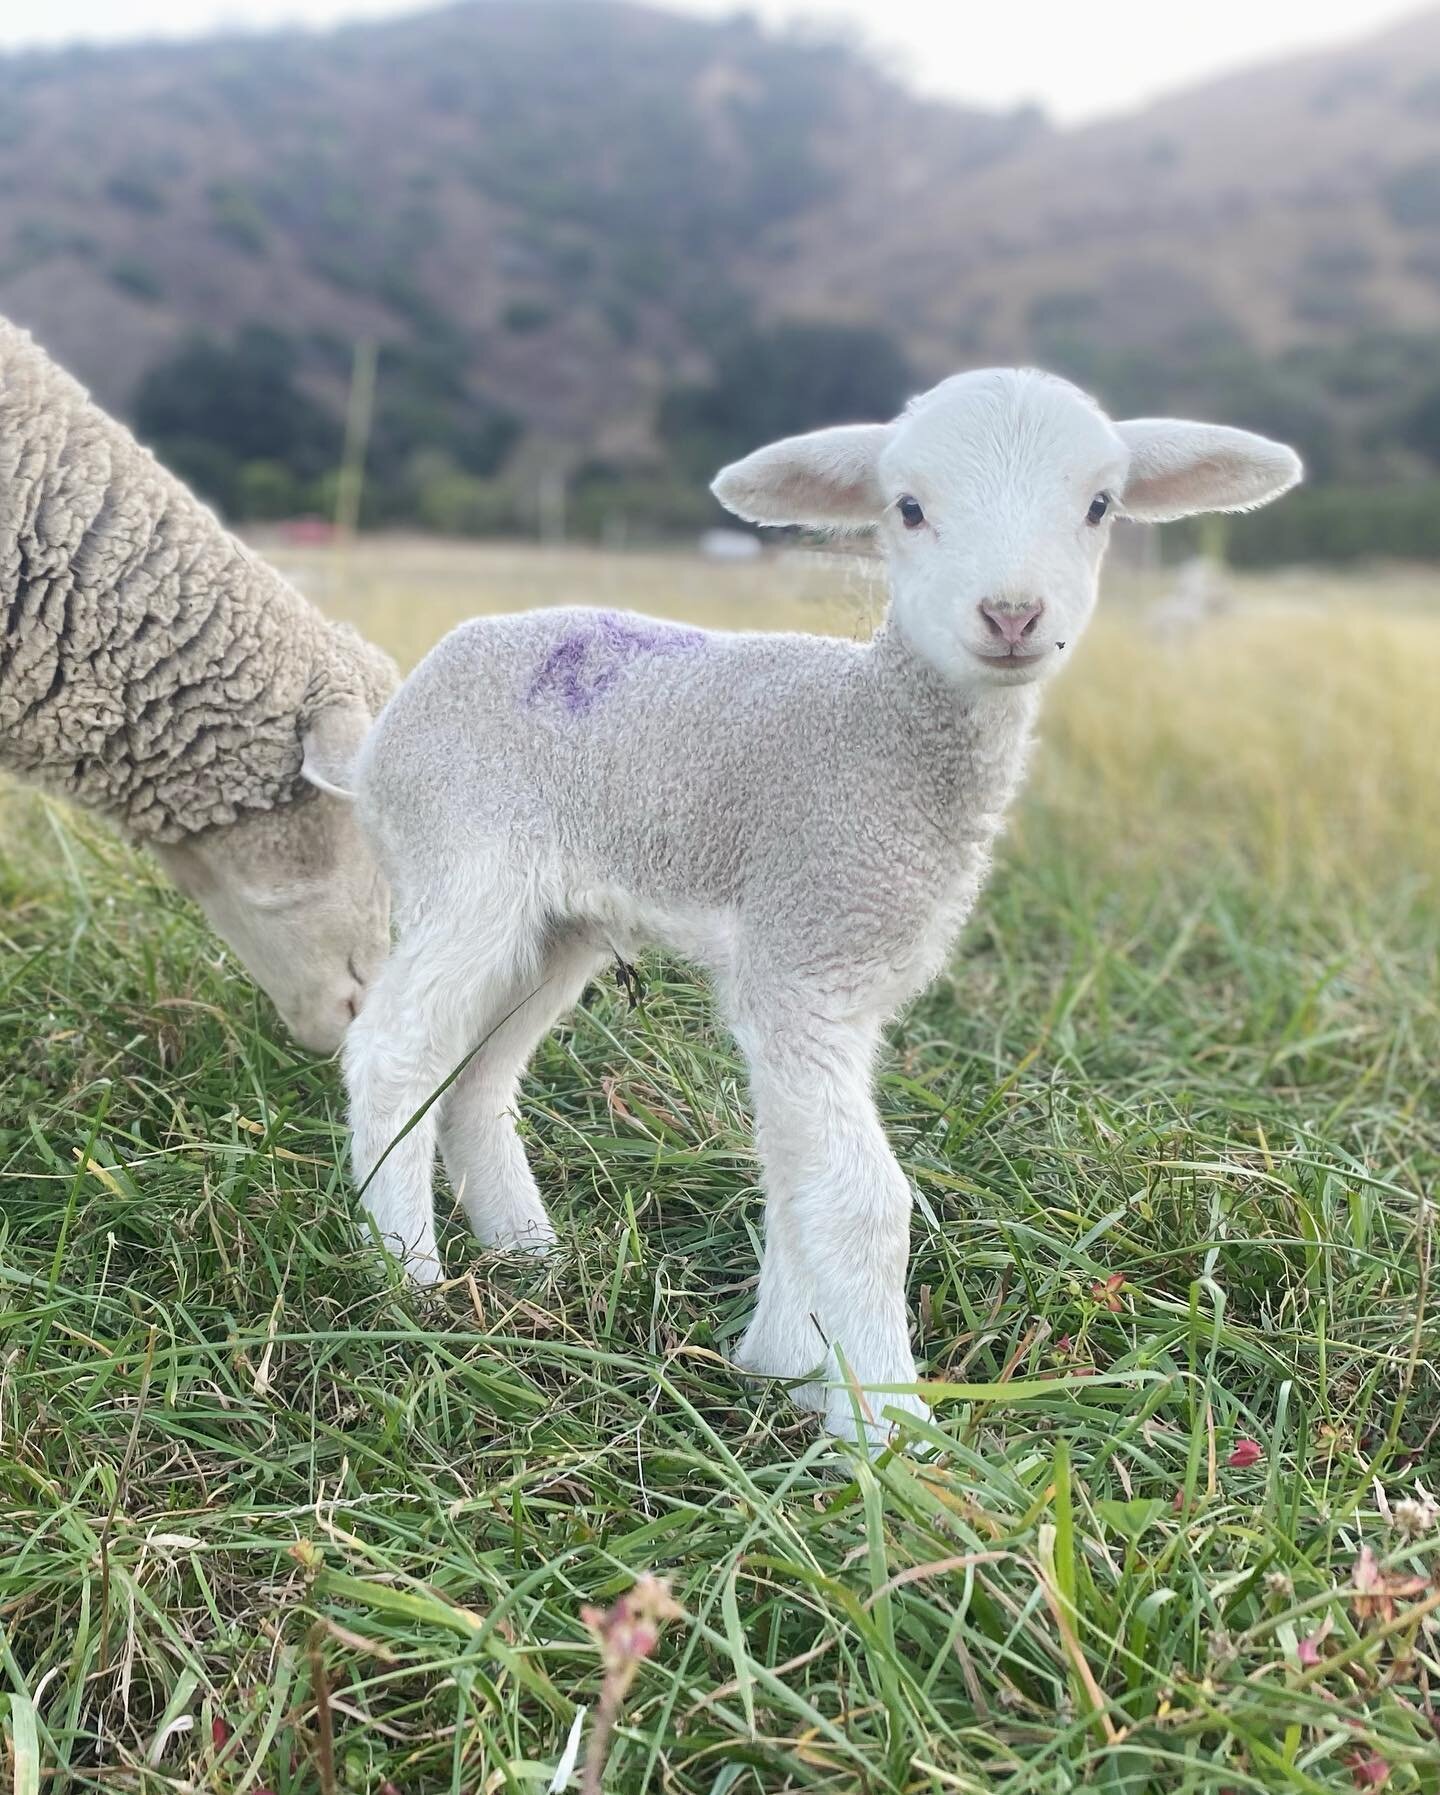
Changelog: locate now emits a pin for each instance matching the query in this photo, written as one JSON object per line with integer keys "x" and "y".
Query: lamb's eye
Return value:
{"x": 1099, "y": 505}
{"x": 910, "y": 513}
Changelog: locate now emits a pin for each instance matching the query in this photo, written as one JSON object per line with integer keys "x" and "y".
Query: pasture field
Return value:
{"x": 270, "y": 1522}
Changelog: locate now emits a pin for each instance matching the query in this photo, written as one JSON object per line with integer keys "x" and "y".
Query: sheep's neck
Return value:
{"x": 959, "y": 755}
{"x": 141, "y": 649}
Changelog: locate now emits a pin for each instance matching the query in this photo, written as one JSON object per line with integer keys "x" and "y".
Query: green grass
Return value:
{"x": 269, "y": 1521}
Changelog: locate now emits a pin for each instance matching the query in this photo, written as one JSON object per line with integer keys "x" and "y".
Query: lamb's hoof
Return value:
{"x": 419, "y": 1265}
{"x": 529, "y": 1239}
{"x": 423, "y": 1270}
{"x": 870, "y": 1427}
{"x": 764, "y": 1352}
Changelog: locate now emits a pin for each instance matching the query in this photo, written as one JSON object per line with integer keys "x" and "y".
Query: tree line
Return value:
{"x": 255, "y": 424}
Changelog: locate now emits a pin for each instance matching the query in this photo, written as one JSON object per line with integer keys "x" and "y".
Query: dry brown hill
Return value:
{"x": 574, "y": 194}
{"x": 1294, "y": 202}
{"x": 551, "y": 211}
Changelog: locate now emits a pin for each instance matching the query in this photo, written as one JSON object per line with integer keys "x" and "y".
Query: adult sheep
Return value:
{"x": 154, "y": 671}
{"x": 810, "y": 820}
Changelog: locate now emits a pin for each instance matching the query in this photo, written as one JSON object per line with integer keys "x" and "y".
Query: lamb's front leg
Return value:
{"x": 832, "y": 1285}
{"x": 414, "y": 1028}
{"x": 391, "y": 1071}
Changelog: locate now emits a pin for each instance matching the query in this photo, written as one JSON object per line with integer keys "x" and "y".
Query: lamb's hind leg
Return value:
{"x": 482, "y": 1151}
{"x": 426, "y": 1010}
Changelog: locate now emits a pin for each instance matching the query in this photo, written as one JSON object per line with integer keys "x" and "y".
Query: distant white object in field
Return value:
{"x": 1199, "y": 594}
{"x": 808, "y": 819}
{"x": 729, "y": 545}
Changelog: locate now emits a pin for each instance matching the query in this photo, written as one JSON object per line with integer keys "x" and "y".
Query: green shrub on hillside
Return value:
{"x": 136, "y": 278}
{"x": 214, "y": 407}
{"x": 637, "y": 505}
{"x": 768, "y": 384}
{"x": 268, "y": 490}
{"x": 454, "y": 503}
{"x": 40, "y": 240}
{"x": 136, "y": 192}
{"x": 235, "y": 215}
{"x": 1412, "y": 195}
{"x": 1341, "y": 524}
{"x": 523, "y": 317}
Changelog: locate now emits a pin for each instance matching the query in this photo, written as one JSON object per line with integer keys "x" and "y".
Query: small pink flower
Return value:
{"x": 219, "y": 1733}
{"x": 1108, "y": 1294}
{"x": 1368, "y": 1770}
{"x": 1246, "y": 1453}
{"x": 1309, "y": 1652}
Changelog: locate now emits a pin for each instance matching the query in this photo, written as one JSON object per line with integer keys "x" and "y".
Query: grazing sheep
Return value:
{"x": 808, "y": 819}
{"x": 152, "y": 670}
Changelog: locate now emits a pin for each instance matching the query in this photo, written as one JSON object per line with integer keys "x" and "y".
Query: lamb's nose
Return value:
{"x": 1010, "y": 622}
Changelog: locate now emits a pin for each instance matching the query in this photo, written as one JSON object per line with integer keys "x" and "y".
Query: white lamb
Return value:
{"x": 809, "y": 820}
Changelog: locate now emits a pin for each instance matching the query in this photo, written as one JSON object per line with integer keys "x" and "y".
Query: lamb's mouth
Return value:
{"x": 1009, "y": 663}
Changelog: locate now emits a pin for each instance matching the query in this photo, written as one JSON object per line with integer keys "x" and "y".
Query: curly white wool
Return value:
{"x": 153, "y": 670}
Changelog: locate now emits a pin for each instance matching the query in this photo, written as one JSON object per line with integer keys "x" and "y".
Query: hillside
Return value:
{"x": 1286, "y": 203}
{"x": 575, "y": 195}
{"x": 551, "y": 213}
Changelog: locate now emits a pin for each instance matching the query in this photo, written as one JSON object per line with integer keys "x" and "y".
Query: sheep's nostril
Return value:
{"x": 1011, "y": 623}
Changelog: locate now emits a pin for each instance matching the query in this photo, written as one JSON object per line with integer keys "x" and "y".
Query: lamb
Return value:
{"x": 151, "y": 669}
{"x": 809, "y": 820}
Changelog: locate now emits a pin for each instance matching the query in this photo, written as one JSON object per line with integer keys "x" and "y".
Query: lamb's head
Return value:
{"x": 295, "y": 891}
{"x": 993, "y": 495}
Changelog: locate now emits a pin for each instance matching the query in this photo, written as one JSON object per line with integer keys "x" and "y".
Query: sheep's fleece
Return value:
{"x": 152, "y": 670}
{"x": 143, "y": 647}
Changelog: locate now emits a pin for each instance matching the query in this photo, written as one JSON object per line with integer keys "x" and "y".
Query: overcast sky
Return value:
{"x": 1076, "y": 60}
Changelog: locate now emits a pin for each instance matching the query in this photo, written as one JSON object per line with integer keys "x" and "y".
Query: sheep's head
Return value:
{"x": 295, "y": 891}
{"x": 993, "y": 495}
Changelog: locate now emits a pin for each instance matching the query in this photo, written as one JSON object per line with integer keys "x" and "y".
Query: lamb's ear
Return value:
{"x": 330, "y": 744}
{"x": 828, "y": 478}
{"x": 1177, "y": 468}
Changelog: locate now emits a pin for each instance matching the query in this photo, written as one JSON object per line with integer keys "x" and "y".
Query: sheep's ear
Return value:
{"x": 1178, "y": 468}
{"x": 330, "y": 745}
{"x": 828, "y": 478}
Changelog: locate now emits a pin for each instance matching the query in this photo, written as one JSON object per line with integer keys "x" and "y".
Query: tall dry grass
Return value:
{"x": 1298, "y": 742}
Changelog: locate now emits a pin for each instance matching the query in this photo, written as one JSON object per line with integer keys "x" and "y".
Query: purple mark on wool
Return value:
{"x": 589, "y": 657}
